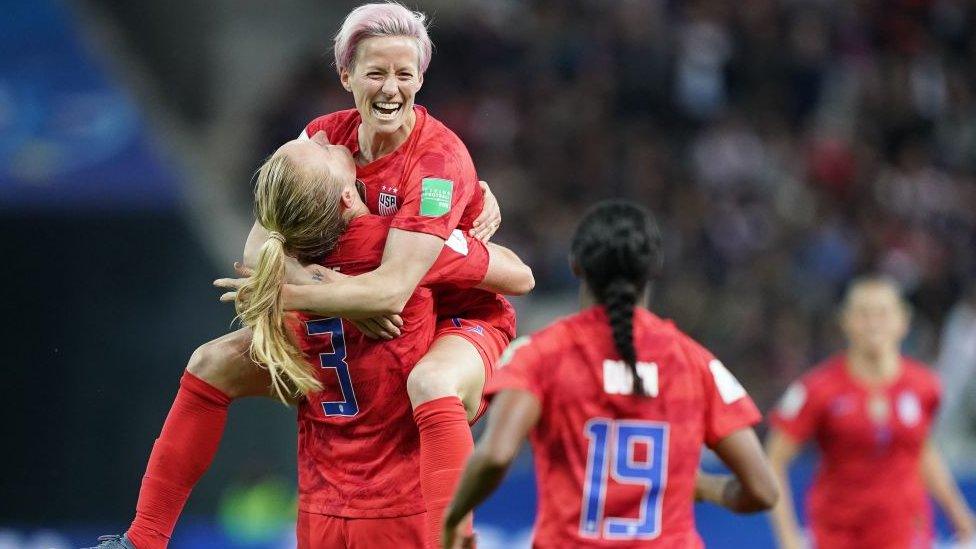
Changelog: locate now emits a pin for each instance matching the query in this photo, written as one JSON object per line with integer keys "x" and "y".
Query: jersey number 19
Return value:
{"x": 612, "y": 445}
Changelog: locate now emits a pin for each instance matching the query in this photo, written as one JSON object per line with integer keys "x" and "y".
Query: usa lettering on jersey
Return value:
{"x": 387, "y": 204}
{"x": 618, "y": 379}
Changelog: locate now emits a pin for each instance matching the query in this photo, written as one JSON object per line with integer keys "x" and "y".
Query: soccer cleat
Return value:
{"x": 114, "y": 542}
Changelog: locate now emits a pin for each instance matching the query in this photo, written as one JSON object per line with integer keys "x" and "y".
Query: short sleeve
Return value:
{"x": 728, "y": 407}
{"x": 438, "y": 189}
{"x": 798, "y": 412}
{"x": 518, "y": 368}
{"x": 462, "y": 263}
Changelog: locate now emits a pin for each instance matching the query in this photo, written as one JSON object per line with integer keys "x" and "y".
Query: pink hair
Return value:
{"x": 387, "y": 19}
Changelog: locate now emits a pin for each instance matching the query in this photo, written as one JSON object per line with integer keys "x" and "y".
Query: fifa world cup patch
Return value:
{"x": 435, "y": 196}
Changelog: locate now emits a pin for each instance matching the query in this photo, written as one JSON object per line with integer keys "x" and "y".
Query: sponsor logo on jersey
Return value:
{"x": 387, "y": 204}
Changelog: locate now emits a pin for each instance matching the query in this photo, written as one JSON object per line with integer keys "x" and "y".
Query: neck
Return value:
{"x": 587, "y": 299}
{"x": 873, "y": 366}
{"x": 354, "y": 211}
{"x": 374, "y": 145}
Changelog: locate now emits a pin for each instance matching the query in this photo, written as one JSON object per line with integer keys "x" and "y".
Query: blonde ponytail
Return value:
{"x": 259, "y": 307}
{"x": 301, "y": 210}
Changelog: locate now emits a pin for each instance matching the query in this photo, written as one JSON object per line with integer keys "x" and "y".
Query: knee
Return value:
{"x": 214, "y": 363}
{"x": 428, "y": 380}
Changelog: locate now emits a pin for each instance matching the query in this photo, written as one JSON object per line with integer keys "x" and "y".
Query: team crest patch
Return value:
{"x": 387, "y": 204}
{"x": 435, "y": 196}
{"x": 909, "y": 409}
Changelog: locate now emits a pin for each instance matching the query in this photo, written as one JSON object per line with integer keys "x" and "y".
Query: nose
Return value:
{"x": 390, "y": 85}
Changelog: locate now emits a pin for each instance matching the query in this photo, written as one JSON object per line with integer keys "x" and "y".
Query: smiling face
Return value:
{"x": 384, "y": 78}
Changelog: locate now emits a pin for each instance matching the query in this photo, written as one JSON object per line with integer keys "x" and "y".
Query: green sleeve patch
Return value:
{"x": 435, "y": 196}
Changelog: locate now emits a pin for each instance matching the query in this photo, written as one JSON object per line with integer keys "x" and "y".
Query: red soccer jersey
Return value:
{"x": 428, "y": 184}
{"x": 617, "y": 469}
{"x": 400, "y": 185}
{"x": 358, "y": 444}
{"x": 868, "y": 489}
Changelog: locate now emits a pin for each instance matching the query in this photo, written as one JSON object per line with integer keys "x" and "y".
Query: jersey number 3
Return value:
{"x": 335, "y": 360}
{"x": 612, "y": 450}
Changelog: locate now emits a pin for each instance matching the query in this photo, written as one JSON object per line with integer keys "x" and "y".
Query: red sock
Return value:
{"x": 445, "y": 445}
{"x": 180, "y": 456}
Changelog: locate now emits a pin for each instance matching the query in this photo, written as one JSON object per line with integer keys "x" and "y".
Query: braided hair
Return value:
{"x": 617, "y": 249}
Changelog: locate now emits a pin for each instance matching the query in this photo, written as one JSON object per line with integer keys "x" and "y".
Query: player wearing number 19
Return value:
{"x": 619, "y": 404}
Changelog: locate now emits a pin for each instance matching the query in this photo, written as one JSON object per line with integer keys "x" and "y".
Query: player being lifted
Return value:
{"x": 419, "y": 173}
{"x": 358, "y": 444}
{"x": 869, "y": 410}
{"x": 618, "y": 404}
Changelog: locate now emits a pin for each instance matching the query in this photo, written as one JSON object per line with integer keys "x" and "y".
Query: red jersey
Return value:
{"x": 429, "y": 185}
{"x": 868, "y": 488}
{"x": 618, "y": 469}
{"x": 358, "y": 444}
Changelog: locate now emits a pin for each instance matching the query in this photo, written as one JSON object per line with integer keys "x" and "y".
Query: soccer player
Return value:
{"x": 419, "y": 173}
{"x": 869, "y": 411}
{"x": 618, "y": 404}
{"x": 358, "y": 444}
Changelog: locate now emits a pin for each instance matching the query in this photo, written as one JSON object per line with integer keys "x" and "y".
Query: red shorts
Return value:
{"x": 906, "y": 533}
{"x": 316, "y": 531}
{"x": 489, "y": 340}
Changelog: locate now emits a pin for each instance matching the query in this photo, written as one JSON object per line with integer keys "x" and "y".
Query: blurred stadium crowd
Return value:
{"x": 786, "y": 146}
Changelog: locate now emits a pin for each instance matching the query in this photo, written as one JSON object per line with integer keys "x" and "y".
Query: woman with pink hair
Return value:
{"x": 416, "y": 170}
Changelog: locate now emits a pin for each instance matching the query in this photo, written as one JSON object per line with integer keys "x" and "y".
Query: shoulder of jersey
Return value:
{"x": 921, "y": 372}
{"x": 823, "y": 373}
{"x": 435, "y": 130}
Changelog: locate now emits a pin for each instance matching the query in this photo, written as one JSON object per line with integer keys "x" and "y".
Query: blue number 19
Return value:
{"x": 337, "y": 361}
{"x": 611, "y": 447}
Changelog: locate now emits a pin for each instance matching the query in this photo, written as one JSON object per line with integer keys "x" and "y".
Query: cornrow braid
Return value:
{"x": 617, "y": 247}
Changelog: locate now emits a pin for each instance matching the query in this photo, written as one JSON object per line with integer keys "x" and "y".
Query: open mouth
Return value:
{"x": 385, "y": 110}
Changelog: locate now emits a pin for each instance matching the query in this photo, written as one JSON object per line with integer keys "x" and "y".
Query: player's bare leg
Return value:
{"x": 217, "y": 373}
{"x": 445, "y": 391}
{"x": 224, "y": 363}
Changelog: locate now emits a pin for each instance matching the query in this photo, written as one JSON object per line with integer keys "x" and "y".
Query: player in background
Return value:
{"x": 382, "y": 51}
{"x": 618, "y": 404}
{"x": 358, "y": 444}
{"x": 869, "y": 410}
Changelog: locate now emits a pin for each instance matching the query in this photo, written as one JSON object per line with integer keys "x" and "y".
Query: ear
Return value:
{"x": 349, "y": 197}
{"x": 574, "y": 267}
{"x": 344, "y": 77}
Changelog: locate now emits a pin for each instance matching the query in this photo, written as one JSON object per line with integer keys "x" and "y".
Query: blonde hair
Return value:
{"x": 302, "y": 212}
